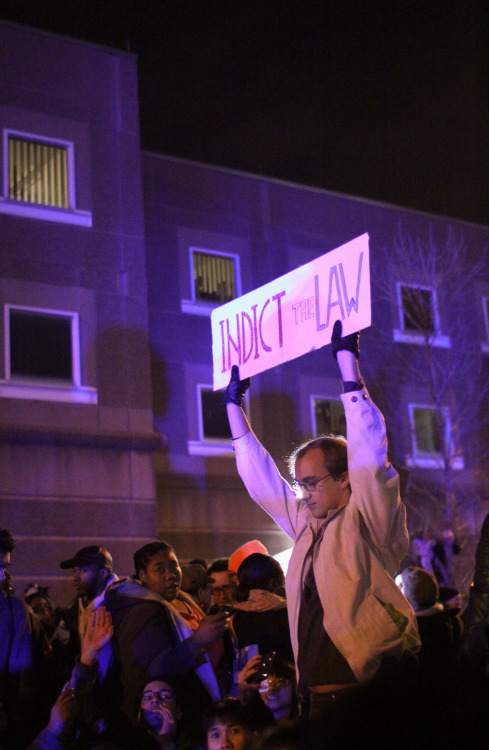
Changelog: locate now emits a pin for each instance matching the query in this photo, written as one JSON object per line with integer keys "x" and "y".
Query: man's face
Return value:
{"x": 163, "y": 575}
{"x": 222, "y": 589}
{"x": 329, "y": 493}
{"x": 90, "y": 580}
{"x": 5, "y": 566}
{"x": 159, "y": 708}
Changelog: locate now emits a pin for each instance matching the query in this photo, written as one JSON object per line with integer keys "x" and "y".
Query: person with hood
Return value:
{"x": 348, "y": 620}
{"x": 159, "y": 629}
{"x": 260, "y": 612}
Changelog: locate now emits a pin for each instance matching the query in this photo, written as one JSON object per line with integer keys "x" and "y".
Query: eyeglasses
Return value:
{"x": 162, "y": 696}
{"x": 277, "y": 683}
{"x": 310, "y": 485}
{"x": 221, "y": 589}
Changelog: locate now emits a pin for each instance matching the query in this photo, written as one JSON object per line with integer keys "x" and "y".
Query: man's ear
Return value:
{"x": 141, "y": 575}
{"x": 345, "y": 480}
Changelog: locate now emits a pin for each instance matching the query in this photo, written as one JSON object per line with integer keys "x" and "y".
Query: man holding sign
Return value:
{"x": 347, "y": 617}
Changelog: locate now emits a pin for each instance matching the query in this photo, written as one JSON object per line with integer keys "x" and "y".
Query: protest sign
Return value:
{"x": 293, "y": 314}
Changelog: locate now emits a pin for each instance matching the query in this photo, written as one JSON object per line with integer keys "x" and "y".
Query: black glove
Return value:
{"x": 350, "y": 343}
{"x": 234, "y": 393}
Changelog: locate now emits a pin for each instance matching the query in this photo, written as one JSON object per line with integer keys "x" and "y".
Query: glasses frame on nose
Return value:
{"x": 227, "y": 587}
{"x": 309, "y": 485}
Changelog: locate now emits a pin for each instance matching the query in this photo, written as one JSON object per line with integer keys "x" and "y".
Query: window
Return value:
{"x": 429, "y": 443}
{"x": 214, "y": 435}
{"x": 41, "y": 345}
{"x": 328, "y": 416}
{"x": 214, "y": 420}
{"x": 418, "y": 316}
{"x": 37, "y": 172}
{"x": 417, "y": 309}
{"x": 42, "y": 357}
{"x": 215, "y": 279}
{"x": 39, "y": 179}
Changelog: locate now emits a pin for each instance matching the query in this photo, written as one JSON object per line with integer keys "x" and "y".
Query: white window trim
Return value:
{"x": 30, "y": 388}
{"x": 198, "y": 307}
{"x": 207, "y": 446}
{"x": 404, "y": 336}
{"x": 428, "y": 459}
{"x": 312, "y": 414}
{"x": 485, "y": 311}
{"x": 44, "y": 213}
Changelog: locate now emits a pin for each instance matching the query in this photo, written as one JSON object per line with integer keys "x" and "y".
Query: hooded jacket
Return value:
{"x": 150, "y": 640}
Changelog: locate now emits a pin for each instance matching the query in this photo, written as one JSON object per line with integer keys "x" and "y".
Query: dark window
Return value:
{"x": 214, "y": 277}
{"x": 426, "y": 434}
{"x": 329, "y": 417}
{"x": 37, "y": 172}
{"x": 215, "y": 425}
{"x": 40, "y": 346}
{"x": 417, "y": 309}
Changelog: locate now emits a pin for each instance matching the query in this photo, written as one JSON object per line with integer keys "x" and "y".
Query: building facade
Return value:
{"x": 76, "y": 426}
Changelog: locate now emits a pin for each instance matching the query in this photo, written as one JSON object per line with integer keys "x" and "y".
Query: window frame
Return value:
{"x": 312, "y": 411}
{"x": 70, "y": 215}
{"x": 426, "y": 459}
{"x": 194, "y": 306}
{"x": 42, "y": 389}
{"x": 408, "y": 336}
{"x": 205, "y": 446}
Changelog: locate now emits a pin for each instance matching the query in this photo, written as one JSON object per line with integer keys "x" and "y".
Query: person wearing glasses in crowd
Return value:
{"x": 348, "y": 620}
{"x": 222, "y": 589}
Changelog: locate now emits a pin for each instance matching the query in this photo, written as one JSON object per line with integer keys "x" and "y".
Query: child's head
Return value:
{"x": 227, "y": 726}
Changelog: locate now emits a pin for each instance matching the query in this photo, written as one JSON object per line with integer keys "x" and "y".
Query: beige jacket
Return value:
{"x": 365, "y": 614}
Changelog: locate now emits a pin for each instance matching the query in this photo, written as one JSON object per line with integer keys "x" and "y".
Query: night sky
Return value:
{"x": 385, "y": 100}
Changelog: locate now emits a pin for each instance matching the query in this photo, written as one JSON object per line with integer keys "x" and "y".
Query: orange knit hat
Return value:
{"x": 244, "y": 551}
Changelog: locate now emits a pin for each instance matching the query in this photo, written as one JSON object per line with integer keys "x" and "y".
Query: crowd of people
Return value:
{"x": 229, "y": 654}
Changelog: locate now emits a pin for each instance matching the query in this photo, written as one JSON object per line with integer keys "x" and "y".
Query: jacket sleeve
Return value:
{"x": 265, "y": 485}
{"x": 374, "y": 482}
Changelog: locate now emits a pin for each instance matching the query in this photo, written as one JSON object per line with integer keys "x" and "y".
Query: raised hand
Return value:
{"x": 235, "y": 392}
{"x": 99, "y": 633}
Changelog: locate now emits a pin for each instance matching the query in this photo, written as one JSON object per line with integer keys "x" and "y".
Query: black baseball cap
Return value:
{"x": 89, "y": 556}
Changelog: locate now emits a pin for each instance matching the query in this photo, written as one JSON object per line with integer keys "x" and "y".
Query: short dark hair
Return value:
{"x": 334, "y": 452}
{"x": 258, "y": 571}
{"x": 7, "y": 543}
{"x": 143, "y": 555}
{"x": 219, "y": 565}
{"x": 227, "y": 711}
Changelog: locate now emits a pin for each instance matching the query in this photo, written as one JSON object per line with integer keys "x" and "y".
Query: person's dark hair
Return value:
{"x": 32, "y": 597}
{"x": 334, "y": 451}
{"x": 219, "y": 565}
{"x": 259, "y": 571}
{"x": 143, "y": 555}
{"x": 227, "y": 711}
{"x": 7, "y": 543}
{"x": 282, "y": 668}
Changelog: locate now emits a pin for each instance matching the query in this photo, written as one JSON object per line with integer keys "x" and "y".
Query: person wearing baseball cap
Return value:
{"x": 92, "y": 574}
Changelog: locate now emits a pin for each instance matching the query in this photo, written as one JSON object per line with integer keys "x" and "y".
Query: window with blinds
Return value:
{"x": 214, "y": 277}
{"x": 37, "y": 172}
